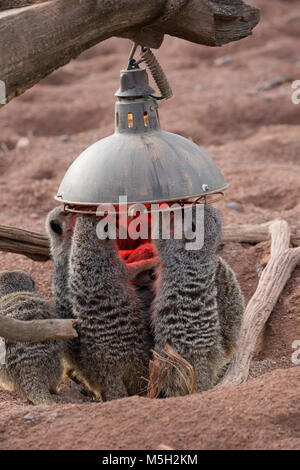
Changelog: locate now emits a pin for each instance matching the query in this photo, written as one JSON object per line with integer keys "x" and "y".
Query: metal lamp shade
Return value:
{"x": 139, "y": 160}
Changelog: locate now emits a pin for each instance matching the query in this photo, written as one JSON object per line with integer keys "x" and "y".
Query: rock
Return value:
{"x": 29, "y": 417}
{"x": 221, "y": 61}
{"x": 275, "y": 82}
{"x": 23, "y": 142}
{"x": 4, "y": 148}
{"x": 234, "y": 206}
{"x": 64, "y": 138}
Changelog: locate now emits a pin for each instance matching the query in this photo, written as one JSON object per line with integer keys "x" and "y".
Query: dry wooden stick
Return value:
{"x": 37, "y": 39}
{"x": 36, "y": 330}
{"x": 36, "y": 245}
{"x": 253, "y": 233}
{"x": 7, "y": 4}
{"x": 33, "y": 245}
{"x": 272, "y": 281}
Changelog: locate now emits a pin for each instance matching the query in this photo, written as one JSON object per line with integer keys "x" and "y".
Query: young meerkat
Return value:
{"x": 33, "y": 370}
{"x": 114, "y": 343}
{"x": 198, "y": 305}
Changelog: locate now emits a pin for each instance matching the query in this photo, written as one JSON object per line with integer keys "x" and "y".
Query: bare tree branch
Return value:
{"x": 36, "y": 330}
{"x": 39, "y": 38}
{"x": 7, "y": 4}
{"x": 272, "y": 281}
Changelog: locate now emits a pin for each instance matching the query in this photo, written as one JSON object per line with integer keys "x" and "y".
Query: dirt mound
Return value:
{"x": 235, "y": 100}
{"x": 262, "y": 414}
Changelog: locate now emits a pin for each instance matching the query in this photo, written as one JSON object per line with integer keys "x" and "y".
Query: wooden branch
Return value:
{"x": 37, "y": 39}
{"x": 280, "y": 237}
{"x": 33, "y": 245}
{"x": 36, "y": 330}
{"x": 272, "y": 281}
{"x": 7, "y": 4}
{"x": 254, "y": 234}
{"x": 36, "y": 245}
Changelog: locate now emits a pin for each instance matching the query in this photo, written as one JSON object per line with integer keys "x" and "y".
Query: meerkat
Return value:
{"x": 231, "y": 307}
{"x": 59, "y": 228}
{"x": 198, "y": 306}
{"x": 114, "y": 343}
{"x": 33, "y": 370}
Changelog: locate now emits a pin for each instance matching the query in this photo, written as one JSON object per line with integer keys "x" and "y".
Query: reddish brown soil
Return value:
{"x": 253, "y": 135}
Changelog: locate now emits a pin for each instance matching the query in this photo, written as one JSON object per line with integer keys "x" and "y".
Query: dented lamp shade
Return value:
{"x": 139, "y": 160}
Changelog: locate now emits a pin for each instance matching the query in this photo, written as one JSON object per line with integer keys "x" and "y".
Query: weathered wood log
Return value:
{"x": 272, "y": 281}
{"x": 33, "y": 245}
{"x": 37, "y": 39}
{"x": 36, "y": 245}
{"x": 36, "y": 330}
{"x": 7, "y": 4}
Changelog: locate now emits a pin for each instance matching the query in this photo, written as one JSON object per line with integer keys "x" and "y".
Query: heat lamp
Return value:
{"x": 140, "y": 160}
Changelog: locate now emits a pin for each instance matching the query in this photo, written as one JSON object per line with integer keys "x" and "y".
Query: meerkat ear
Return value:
{"x": 56, "y": 227}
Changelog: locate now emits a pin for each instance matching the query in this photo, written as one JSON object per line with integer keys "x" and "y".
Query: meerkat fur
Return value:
{"x": 33, "y": 370}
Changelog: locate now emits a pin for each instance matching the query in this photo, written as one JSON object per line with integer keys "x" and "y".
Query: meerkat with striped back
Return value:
{"x": 60, "y": 228}
{"x": 33, "y": 370}
{"x": 198, "y": 305}
{"x": 114, "y": 342}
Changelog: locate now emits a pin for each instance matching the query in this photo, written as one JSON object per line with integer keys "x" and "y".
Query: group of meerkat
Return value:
{"x": 195, "y": 306}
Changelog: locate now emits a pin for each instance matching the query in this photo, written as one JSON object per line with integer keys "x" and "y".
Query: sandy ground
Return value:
{"x": 234, "y": 100}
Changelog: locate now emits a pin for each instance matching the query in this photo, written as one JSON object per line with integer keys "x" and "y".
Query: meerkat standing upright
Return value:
{"x": 33, "y": 370}
{"x": 198, "y": 306}
{"x": 114, "y": 344}
{"x": 59, "y": 227}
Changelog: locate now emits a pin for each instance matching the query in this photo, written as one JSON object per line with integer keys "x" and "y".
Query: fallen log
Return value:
{"x": 274, "y": 277}
{"x": 33, "y": 245}
{"x": 37, "y": 39}
{"x": 36, "y": 245}
{"x": 7, "y": 4}
{"x": 36, "y": 330}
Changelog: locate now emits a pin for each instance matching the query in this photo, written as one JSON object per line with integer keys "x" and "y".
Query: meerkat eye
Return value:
{"x": 56, "y": 227}
{"x": 105, "y": 230}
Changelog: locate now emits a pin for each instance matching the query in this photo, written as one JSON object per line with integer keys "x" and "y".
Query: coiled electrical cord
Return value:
{"x": 157, "y": 73}
{"x": 155, "y": 68}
